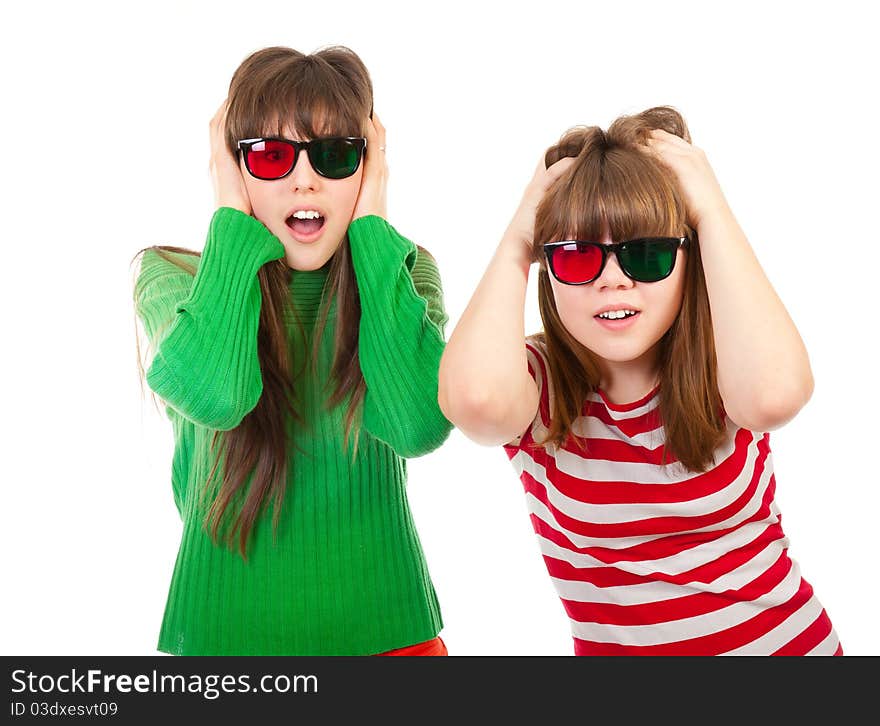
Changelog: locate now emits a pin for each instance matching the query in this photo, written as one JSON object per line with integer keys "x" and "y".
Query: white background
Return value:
{"x": 104, "y": 130}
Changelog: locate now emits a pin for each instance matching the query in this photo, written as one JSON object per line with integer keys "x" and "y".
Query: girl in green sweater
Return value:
{"x": 297, "y": 357}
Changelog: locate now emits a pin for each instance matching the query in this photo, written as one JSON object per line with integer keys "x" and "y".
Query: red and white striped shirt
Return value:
{"x": 658, "y": 560}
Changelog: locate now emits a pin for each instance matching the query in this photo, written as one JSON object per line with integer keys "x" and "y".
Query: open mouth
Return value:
{"x": 305, "y": 224}
{"x": 616, "y": 314}
{"x": 617, "y": 319}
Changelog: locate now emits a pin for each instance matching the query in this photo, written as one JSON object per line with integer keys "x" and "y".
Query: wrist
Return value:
{"x": 360, "y": 214}
{"x": 238, "y": 204}
{"x": 513, "y": 248}
{"x": 713, "y": 208}
{"x": 714, "y": 219}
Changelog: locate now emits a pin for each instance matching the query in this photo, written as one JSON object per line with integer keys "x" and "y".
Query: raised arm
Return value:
{"x": 485, "y": 388}
{"x": 400, "y": 338}
{"x": 764, "y": 374}
{"x": 203, "y": 330}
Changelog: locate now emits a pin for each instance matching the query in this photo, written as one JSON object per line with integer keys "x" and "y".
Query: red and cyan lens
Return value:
{"x": 270, "y": 159}
{"x": 577, "y": 262}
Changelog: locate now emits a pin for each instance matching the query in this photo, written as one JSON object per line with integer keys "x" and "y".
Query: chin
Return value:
{"x": 304, "y": 259}
{"x": 617, "y": 353}
{"x": 304, "y": 263}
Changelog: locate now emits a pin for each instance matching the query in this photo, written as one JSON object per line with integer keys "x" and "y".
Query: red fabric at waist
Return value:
{"x": 435, "y": 646}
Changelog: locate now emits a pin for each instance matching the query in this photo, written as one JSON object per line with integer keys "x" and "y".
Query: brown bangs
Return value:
{"x": 327, "y": 93}
{"x": 321, "y": 94}
{"x": 572, "y": 208}
{"x": 613, "y": 185}
{"x": 639, "y": 197}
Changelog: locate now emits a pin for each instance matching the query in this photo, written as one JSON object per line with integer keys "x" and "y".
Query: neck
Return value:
{"x": 628, "y": 381}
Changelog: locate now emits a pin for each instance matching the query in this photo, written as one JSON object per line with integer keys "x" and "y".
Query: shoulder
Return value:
{"x": 160, "y": 258}
{"x": 425, "y": 264}
{"x": 163, "y": 272}
{"x": 425, "y": 273}
{"x": 539, "y": 363}
{"x": 422, "y": 252}
{"x": 539, "y": 370}
{"x": 157, "y": 261}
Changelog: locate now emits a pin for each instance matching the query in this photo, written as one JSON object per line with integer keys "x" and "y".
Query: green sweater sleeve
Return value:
{"x": 203, "y": 329}
{"x": 400, "y": 338}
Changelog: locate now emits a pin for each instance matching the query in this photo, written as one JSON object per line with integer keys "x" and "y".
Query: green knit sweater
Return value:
{"x": 345, "y": 573}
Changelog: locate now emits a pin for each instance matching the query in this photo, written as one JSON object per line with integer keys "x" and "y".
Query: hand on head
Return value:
{"x": 373, "y": 196}
{"x": 702, "y": 193}
{"x": 229, "y": 185}
{"x": 521, "y": 229}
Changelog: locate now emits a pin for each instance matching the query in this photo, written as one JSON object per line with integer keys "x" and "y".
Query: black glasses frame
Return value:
{"x": 551, "y": 247}
{"x": 359, "y": 142}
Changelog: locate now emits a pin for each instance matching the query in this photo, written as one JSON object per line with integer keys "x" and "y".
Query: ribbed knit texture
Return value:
{"x": 346, "y": 574}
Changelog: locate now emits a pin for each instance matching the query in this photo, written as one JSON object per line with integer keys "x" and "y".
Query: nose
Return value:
{"x": 304, "y": 177}
{"x": 612, "y": 276}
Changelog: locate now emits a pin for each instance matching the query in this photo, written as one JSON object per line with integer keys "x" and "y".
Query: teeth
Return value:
{"x": 616, "y": 314}
{"x": 306, "y": 214}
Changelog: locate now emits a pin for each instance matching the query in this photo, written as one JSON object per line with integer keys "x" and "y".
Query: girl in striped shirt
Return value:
{"x": 638, "y": 419}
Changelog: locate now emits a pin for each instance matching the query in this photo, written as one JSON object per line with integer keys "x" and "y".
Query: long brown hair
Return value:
{"x": 328, "y": 92}
{"x": 613, "y": 183}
